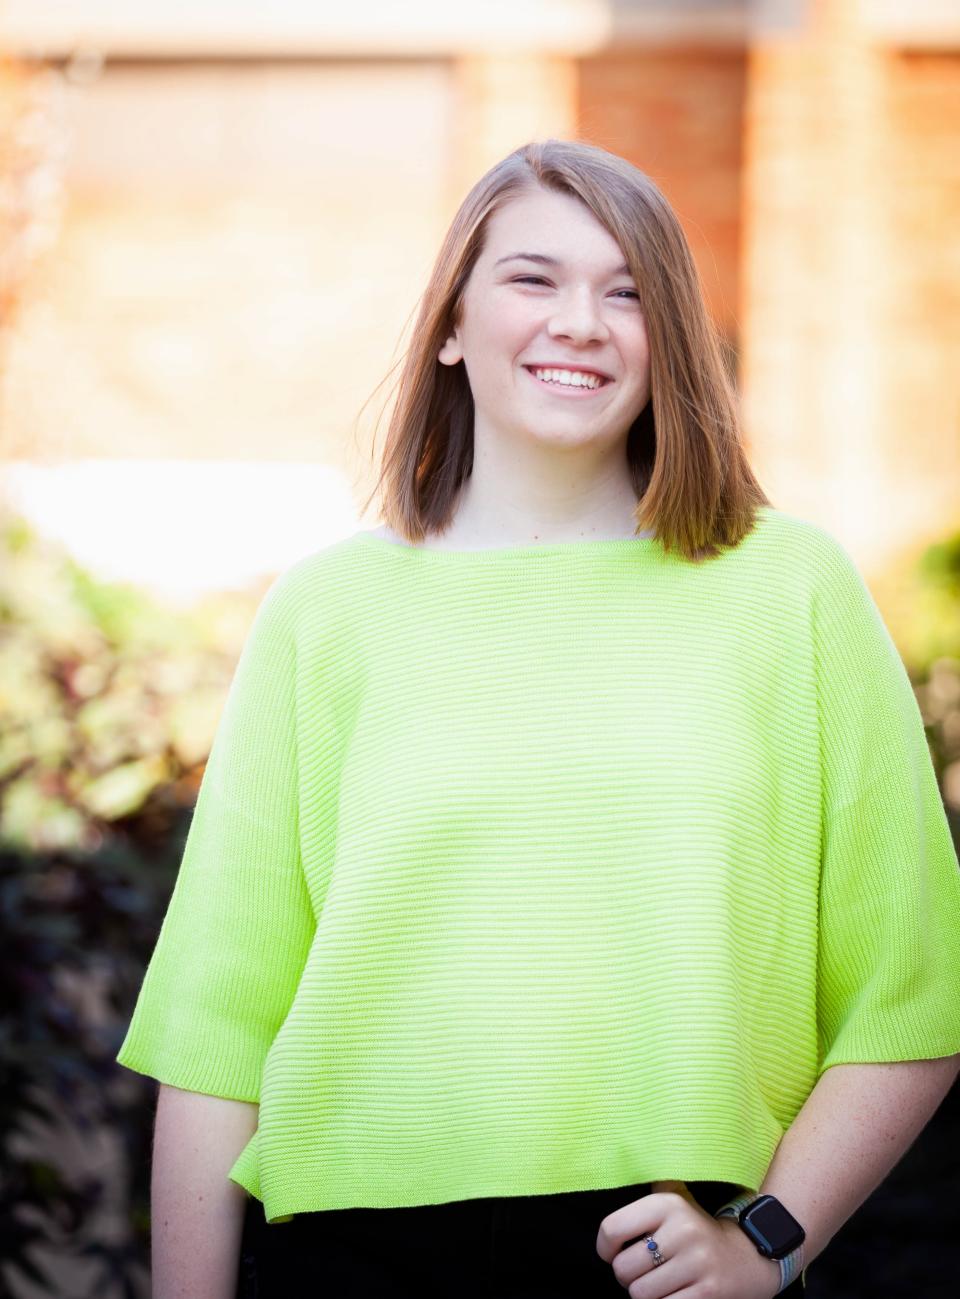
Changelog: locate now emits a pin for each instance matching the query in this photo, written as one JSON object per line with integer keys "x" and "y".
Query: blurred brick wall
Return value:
{"x": 851, "y": 287}
{"x": 921, "y": 192}
{"x": 240, "y": 247}
{"x": 244, "y": 242}
{"x": 677, "y": 113}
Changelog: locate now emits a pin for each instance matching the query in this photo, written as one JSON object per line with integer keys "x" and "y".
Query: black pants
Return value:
{"x": 508, "y": 1247}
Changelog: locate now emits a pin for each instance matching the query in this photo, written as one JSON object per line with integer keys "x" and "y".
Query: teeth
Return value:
{"x": 572, "y": 378}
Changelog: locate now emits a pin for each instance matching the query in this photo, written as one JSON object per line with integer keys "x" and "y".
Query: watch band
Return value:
{"x": 791, "y": 1265}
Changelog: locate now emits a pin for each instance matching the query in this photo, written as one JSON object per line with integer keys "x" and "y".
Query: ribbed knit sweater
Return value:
{"x": 552, "y": 867}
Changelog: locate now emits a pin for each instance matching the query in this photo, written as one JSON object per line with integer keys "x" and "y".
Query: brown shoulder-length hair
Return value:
{"x": 695, "y": 488}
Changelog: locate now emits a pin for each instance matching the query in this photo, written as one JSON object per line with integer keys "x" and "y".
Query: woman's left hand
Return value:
{"x": 704, "y": 1257}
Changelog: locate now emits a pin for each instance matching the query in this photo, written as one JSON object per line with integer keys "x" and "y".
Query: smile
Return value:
{"x": 574, "y": 390}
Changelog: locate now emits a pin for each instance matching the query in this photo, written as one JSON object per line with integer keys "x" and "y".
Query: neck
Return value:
{"x": 524, "y": 498}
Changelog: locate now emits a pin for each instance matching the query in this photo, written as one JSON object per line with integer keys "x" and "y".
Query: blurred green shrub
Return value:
{"x": 108, "y": 705}
{"x": 936, "y": 673}
{"x": 106, "y": 695}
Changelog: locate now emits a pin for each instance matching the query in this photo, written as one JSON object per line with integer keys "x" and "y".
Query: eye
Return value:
{"x": 538, "y": 279}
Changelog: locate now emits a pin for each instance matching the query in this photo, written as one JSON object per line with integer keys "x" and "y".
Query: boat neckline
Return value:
{"x": 535, "y": 548}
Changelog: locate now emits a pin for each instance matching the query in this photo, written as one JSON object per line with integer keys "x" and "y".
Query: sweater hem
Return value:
{"x": 284, "y": 1204}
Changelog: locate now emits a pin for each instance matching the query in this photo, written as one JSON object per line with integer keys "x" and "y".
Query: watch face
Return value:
{"x": 775, "y": 1230}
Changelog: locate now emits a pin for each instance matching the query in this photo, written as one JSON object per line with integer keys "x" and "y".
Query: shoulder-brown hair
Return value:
{"x": 695, "y": 487}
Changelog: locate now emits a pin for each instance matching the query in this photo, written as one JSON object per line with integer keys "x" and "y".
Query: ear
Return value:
{"x": 451, "y": 352}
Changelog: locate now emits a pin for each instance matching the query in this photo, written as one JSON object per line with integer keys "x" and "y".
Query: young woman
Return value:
{"x": 569, "y": 905}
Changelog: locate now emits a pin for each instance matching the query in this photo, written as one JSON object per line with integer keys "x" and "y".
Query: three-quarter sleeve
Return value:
{"x": 888, "y": 976}
{"x": 239, "y": 922}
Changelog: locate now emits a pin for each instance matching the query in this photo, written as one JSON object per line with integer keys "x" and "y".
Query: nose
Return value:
{"x": 576, "y": 317}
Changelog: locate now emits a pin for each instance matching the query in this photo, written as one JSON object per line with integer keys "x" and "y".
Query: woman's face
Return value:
{"x": 579, "y": 310}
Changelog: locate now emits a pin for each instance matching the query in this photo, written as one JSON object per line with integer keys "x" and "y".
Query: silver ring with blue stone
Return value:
{"x": 654, "y": 1249}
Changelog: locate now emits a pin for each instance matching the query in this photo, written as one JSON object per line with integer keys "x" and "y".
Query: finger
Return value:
{"x": 654, "y": 1281}
{"x": 678, "y": 1188}
{"x": 632, "y": 1220}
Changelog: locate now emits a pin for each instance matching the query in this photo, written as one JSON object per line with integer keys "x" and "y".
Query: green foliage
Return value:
{"x": 73, "y": 932}
{"x": 940, "y": 565}
{"x": 108, "y": 705}
{"x": 106, "y": 695}
{"x": 936, "y": 677}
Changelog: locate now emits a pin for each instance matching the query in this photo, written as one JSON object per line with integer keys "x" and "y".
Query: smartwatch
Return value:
{"x": 772, "y": 1228}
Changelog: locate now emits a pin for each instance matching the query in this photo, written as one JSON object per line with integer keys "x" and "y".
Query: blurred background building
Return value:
{"x": 237, "y": 208}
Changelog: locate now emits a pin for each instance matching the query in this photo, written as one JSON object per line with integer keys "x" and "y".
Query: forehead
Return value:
{"x": 544, "y": 221}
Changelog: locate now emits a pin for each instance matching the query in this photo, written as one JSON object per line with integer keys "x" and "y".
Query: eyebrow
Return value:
{"x": 550, "y": 261}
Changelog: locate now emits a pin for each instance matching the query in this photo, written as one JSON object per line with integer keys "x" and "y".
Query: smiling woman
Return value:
{"x": 544, "y": 887}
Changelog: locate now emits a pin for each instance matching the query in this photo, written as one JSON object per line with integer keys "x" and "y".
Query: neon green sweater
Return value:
{"x": 553, "y": 867}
